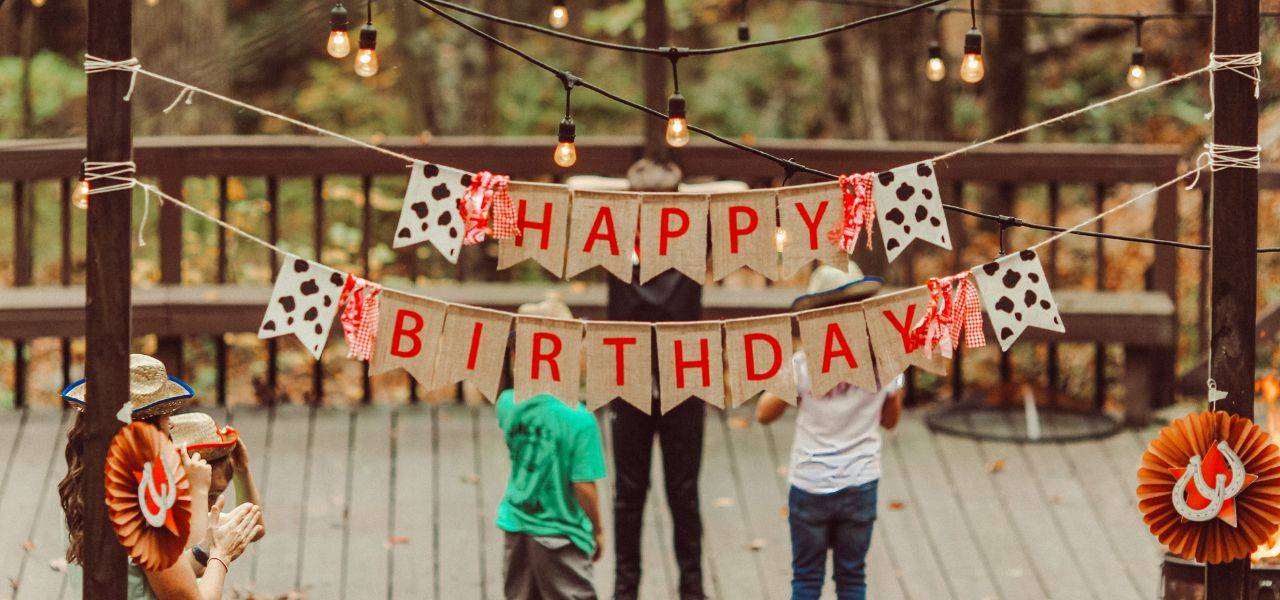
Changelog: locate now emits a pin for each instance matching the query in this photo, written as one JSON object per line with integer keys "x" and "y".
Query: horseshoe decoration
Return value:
{"x": 148, "y": 496}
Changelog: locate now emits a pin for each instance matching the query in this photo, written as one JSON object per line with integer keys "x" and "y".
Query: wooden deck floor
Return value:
{"x": 398, "y": 502}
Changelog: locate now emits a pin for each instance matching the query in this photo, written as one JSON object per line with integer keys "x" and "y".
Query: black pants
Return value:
{"x": 667, "y": 297}
{"x": 680, "y": 434}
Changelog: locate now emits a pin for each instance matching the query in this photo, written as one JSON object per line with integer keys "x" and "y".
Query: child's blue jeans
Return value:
{"x": 841, "y": 522}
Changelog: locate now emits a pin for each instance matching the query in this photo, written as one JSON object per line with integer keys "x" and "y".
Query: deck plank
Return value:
{"x": 36, "y": 576}
{"x": 905, "y": 532}
{"x": 603, "y": 569}
{"x": 367, "y": 548}
{"x": 964, "y": 564}
{"x": 727, "y": 528}
{"x": 764, "y": 506}
{"x": 495, "y": 469}
{"x": 10, "y": 426}
{"x": 327, "y": 500}
{"x": 31, "y": 460}
{"x": 413, "y": 557}
{"x": 275, "y": 560}
{"x": 252, "y": 425}
{"x": 458, "y": 562}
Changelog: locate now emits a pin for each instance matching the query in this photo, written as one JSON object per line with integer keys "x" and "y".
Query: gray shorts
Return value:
{"x": 545, "y": 568}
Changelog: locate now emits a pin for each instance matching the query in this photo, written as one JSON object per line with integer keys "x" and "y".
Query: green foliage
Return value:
{"x": 57, "y": 85}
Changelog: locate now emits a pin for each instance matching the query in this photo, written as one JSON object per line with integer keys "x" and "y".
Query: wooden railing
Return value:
{"x": 1036, "y": 181}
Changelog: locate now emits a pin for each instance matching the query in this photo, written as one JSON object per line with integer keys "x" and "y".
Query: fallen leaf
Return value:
{"x": 471, "y": 478}
{"x": 723, "y": 502}
{"x": 757, "y": 544}
{"x": 785, "y": 512}
{"x": 995, "y": 466}
{"x": 28, "y": 546}
{"x": 739, "y": 423}
{"x": 1055, "y": 499}
{"x": 396, "y": 540}
{"x": 897, "y": 505}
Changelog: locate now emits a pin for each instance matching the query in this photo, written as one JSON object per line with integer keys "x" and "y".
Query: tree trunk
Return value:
{"x": 185, "y": 39}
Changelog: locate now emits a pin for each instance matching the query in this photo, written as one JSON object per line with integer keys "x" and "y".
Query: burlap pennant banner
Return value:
{"x": 408, "y": 335}
{"x": 602, "y": 232}
{"x": 744, "y": 228}
{"x": 758, "y": 353}
{"x": 303, "y": 302}
{"x": 673, "y": 235}
{"x": 542, "y": 218}
{"x": 690, "y": 363}
{"x": 548, "y": 358}
{"x": 430, "y": 209}
{"x": 477, "y": 341}
{"x": 619, "y": 363}
{"x": 836, "y": 348}
{"x": 890, "y": 320}
{"x": 807, "y": 214}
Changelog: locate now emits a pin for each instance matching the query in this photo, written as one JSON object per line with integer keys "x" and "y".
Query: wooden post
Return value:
{"x": 1235, "y": 238}
{"x": 107, "y": 306}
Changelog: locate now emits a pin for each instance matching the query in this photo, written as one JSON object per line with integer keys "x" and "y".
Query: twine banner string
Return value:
{"x": 1244, "y": 65}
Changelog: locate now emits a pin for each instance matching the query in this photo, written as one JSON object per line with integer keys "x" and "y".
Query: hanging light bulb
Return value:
{"x": 677, "y": 126}
{"x": 559, "y": 16}
{"x": 80, "y": 198}
{"x": 339, "y": 45}
{"x": 566, "y": 153}
{"x": 972, "y": 68}
{"x": 1137, "y": 76}
{"x": 37, "y": 3}
{"x": 935, "y": 68}
{"x": 367, "y": 56}
{"x": 744, "y": 32}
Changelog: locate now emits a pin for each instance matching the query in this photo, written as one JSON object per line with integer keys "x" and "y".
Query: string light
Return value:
{"x": 972, "y": 68}
{"x": 744, "y": 29}
{"x": 80, "y": 199}
{"x": 339, "y": 44}
{"x": 677, "y": 125}
{"x": 1137, "y": 75}
{"x": 367, "y": 56}
{"x": 559, "y": 16}
{"x": 935, "y": 68}
{"x": 37, "y": 3}
{"x": 566, "y": 153}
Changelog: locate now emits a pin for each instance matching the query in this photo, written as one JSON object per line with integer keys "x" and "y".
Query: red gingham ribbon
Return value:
{"x": 503, "y": 224}
{"x": 359, "y": 300}
{"x": 953, "y": 306}
{"x": 477, "y": 203}
{"x": 859, "y": 211}
{"x": 966, "y": 313}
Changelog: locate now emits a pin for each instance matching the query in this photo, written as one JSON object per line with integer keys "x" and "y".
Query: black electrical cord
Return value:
{"x": 790, "y": 166}
{"x": 663, "y": 51}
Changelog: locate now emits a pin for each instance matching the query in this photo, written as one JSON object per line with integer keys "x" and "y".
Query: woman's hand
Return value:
{"x": 199, "y": 473}
{"x": 232, "y": 533}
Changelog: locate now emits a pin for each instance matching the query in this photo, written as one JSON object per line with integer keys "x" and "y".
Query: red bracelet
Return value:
{"x": 225, "y": 568}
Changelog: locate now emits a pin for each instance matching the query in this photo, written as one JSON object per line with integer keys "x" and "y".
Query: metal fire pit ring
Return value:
{"x": 974, "y": 418}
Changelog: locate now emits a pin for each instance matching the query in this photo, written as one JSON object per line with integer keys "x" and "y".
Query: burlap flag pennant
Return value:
{"x": 430, "y": 210}
{"x": 1017, "y": 295}
{"x": 409, "y": 335}
{"x": 303, "y": 302}
{"x": 542, "y": 218}
{"x": 909, "y": 207}
{"x": 758, "y": 353}
{"x": 602, "y": 232}
{"x": 808, "y": 214}
{"x": 744, "y": 229}
{"x": 477, "y": 339}
{"x": 673, "y": 235}
{"x": 836, "y": 348}
{"x": 690, "y": 363}
{"x": 548, "y": 358}
{"x": 619, "y": 363}
{"x": 890, "y": 320}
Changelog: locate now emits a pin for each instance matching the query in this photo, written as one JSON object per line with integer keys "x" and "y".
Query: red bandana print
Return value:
{"x": 487, "y": 193}
{"x": 360, "y": 300}
{"x": 953, "y": 306}
{"x": 859, "y": 211}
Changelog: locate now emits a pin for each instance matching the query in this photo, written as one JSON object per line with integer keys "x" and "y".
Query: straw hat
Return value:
{"x": 199, "y": 433}
{"x": 829, "y": 285}
{"x": 152, "y": 391}
{"x": 551, "y": 308}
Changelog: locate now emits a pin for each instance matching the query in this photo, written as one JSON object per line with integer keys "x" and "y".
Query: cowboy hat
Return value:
{"x": 829, "y": 285}
{"x": 551, "y": 308}
{"x": 152, "y": 391}
{"x": 198, "y": 433}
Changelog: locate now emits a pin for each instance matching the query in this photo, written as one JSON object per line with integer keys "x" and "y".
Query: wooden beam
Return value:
{"x": 107, "y": 307}
{"x": 1234, "y": 262}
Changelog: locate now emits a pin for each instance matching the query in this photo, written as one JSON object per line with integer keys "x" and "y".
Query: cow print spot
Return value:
{"x": 935, "y": 222}
{"x": 906, "y": 229}
{"x": 420, "y": 209}
{"x": 886, "y": 177}
{"x": 403, "y": 233}
{"x": 905, "y": 191}
{"x": 1005, "y": 332}
{"x": 927, "y": 193}
{"x": 1011, "y": 278}
{"x": 445, "y": 218}
{"x": 309, "y": 287}
{"x": 990, "y": 268}
{"x": 300, "y": 266}
{"x": 892, "y": 244}
{"x": 336, "y": 279}
{"x": 923, "y": 170}
{"x": 1044, "y": 304}
{"x": 425, "y": 226}
{"x": 290, "y": 321}
{"x": 453, "y": 232}
{"x": 269, "y": 326}
{"x": 431, "y": 170}
{"x": 1034, "y": 277}
{"x": 895, "y": 216}
{"x": 311, "y": 314}
{"x": 1004, "y": 304}
{"x": 327, "y": 301}
{"x": 288, "y": 303}
{"x": 440, "y": 192}
{"x": 1027, "y": 255}
{"x": 922, "y": 213}
{"x": 319, "y": 329}
{"x": 1029, "y": 298}
{"x": 1018, "y": 316}
{"x": 466, "y": 180}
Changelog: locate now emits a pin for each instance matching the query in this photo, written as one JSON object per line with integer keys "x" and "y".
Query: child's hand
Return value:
{"x": 599, "y": 537}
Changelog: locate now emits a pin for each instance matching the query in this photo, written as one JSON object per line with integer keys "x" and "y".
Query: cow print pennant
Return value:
{"x": 304, "y": 303}
{"x": 430, "y": 211}
{"x": 909, "y": 207}
{"x": 1017, "y": 295}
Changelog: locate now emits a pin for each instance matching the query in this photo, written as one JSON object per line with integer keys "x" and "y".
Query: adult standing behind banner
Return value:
{"x": 670, "y": 296}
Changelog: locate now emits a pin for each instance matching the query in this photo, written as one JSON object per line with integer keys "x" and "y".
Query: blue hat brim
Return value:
{"x": 151, "y": 409}
{"x": 853, "y": 291}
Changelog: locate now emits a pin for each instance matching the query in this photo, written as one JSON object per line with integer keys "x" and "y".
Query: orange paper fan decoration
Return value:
{"x": 1256, "y": 508}
{"x": 140, "y": 455}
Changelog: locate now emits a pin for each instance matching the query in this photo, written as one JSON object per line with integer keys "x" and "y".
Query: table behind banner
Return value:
{"x": 268, "y": 184}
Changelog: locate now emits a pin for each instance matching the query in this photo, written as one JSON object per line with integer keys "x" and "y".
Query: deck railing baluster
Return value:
{"x": 317, "y": 241}
{"x": 273, "y": 236}
{"x": 1051, "y": 362}
{"x": 23, "y": 226}
{"x": 1100, "y": 282}
{"x": 366, "y": 227}
{"x": 220, "y": 342}
{"x": 64, "y": 273}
